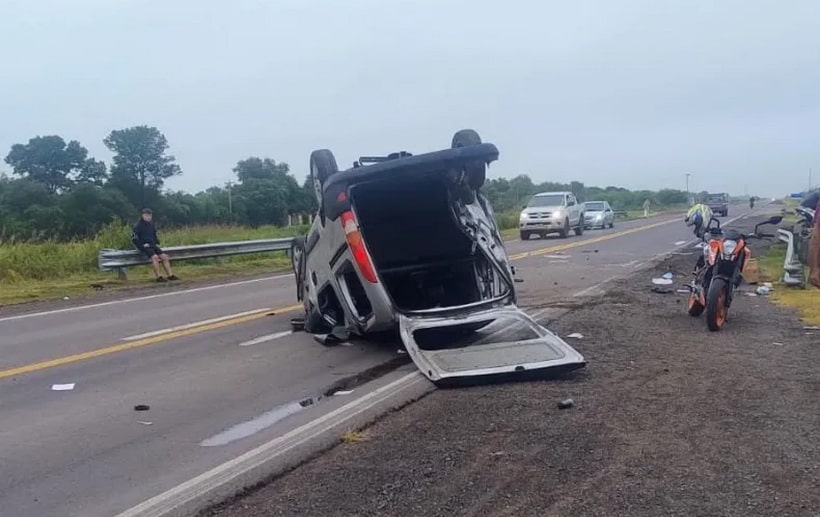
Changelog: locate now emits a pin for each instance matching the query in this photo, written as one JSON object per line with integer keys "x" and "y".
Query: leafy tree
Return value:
{"x": 140, "y": 162}
{"x": 50, "y": 161}
{"x": 88, "y": 208}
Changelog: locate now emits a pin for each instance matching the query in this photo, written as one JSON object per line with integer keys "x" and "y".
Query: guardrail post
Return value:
{"x": 122, "y": 273}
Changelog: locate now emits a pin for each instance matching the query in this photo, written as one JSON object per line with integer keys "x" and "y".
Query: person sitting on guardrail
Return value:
{"x": 146, "y": 240}
{"x": 699, "y": 216}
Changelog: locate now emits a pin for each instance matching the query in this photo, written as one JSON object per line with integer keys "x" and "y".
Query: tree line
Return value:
{"x": 58, "y": 192}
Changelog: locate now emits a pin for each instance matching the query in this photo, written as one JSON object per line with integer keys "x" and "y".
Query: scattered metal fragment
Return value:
{"x": 566, "y": 404}
{"x": 576, "y": 335}
{"x": 142, "y": 407}
{"x": 143, "y": 422}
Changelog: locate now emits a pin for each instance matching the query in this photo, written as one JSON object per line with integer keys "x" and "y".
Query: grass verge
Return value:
{"x": 805, "y": 301}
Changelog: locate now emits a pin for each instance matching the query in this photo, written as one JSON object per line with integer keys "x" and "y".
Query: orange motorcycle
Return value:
{"x": 719, "y": 271}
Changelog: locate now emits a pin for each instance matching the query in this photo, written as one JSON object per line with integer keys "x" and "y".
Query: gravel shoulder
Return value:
{"x": 669, "y": 419}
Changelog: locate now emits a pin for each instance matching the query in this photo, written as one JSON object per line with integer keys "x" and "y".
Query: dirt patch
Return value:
{"x": 669, "y": 419}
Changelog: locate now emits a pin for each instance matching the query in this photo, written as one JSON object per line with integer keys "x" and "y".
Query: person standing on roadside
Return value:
{"x": 813, "y": 201}
{"x": 145, "y": 239}
{"x": 646, "y": 208}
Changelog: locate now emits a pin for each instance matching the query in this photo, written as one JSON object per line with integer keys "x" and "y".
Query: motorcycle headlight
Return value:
{"x": 729, "y": 247}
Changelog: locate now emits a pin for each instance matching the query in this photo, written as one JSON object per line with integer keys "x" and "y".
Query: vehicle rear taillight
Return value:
{"x": 356, "y": 244}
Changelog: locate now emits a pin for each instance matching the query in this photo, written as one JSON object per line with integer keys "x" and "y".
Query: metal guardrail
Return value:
{"x": 620, "y": 213}
{"x": 121, "y": 260}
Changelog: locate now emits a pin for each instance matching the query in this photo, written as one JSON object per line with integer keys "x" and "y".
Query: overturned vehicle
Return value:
{"x": 409, "y": 243}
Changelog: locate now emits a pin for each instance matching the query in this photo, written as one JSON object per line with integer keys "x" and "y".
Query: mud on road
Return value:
{"x": 669, "y": 419}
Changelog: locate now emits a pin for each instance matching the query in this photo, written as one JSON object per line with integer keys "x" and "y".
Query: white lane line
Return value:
{"x": 200, "y": 486}
{"x": 194, "y": 324}
{"x": 141, "y": 298}
{"x": 266, "y": 338}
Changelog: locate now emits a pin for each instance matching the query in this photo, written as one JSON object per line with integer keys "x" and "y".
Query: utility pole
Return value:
{"x": 810, "y": 183}
{"x": 230, "y": 203}
{"x": 687, "y": 182}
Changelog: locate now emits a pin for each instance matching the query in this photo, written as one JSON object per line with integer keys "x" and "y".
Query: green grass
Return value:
{"x": 805, "y": 301}
{"x": 37, "y": 271}
{"x": 53, "y": 270}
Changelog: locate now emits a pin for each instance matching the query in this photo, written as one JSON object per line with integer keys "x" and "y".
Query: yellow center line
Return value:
{"x": 173, "y": 334}
{"x": 122, "y": 347}
{"x": 578, "y": 244}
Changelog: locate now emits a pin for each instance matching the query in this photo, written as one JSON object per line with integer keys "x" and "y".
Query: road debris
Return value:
{"x": 812, "y": 327}
{"x": 342, "y": 392}
{"x": 62, "y": 387}
{"x": 142, "y": 407}
{"x": 763, "y": 290}
{"x": 662, "y": 281}
{"x": 143, "y": 422}
{"x": 661, "y": 290}
{"x": 680, "y": 243}
{"x": 668, "y": 275}
{"x": 566, "y": 404}
{"x": 576, "y": 335}
{"x": 777, "y": 344}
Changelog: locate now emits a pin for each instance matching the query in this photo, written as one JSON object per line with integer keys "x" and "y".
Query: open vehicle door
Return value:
{"x": 485, "y": 343}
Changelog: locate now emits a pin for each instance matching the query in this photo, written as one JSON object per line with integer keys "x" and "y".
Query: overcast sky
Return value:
{"x": 627, "y": 92}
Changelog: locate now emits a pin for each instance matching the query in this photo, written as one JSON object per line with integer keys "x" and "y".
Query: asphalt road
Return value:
{"x": 206, "y": 360}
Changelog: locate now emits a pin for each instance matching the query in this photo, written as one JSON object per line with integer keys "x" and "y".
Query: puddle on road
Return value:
{"x": 259, "y": 423}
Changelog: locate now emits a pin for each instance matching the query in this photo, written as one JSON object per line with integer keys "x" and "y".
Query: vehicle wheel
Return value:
{"x": 525, "y": 236}
{"x": 564, "y": 233}
{"x": 322, "y": 167}
{"x": 476, "y": 171}
{"x": 695, "y": 308}
{"x": 612, "y": 224}
{"x": 716, "y": 310}
{"x": 579, "y": 230}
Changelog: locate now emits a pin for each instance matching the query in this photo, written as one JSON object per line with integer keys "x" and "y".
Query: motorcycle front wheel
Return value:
{"x": 716, "y": 310}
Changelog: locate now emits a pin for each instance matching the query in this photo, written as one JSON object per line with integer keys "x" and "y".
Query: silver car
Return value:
{"x": 598, "y": 214}
{"x": 410, "y": 243}
{"x": 551, "y": 212}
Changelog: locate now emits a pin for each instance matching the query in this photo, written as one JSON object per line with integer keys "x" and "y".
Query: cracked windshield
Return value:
{"x": 409, "y": 258}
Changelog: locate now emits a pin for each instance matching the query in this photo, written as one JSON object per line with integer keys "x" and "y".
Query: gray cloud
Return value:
{"x": 634, "y": 92}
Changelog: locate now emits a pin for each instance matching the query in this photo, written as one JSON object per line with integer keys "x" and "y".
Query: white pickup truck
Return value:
{"x": 550, "y": 212}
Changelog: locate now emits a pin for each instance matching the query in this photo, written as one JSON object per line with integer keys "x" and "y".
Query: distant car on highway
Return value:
{"x": 550, "y": 212}
{"x": 598, "y": 214}
{"x": 719, "y": 203}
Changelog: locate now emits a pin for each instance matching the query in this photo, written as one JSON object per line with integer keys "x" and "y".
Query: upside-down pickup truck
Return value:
{"x": 409, "y": 243}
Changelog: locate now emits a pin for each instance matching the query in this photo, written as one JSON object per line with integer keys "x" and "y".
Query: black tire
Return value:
{"x": 715, "y": 298}
{"x": 612, "y": 223}
{"x": 322, "y": 167}
{"x": 579, "y": 230}
{"x": 476, "y": 171}
{"x": 525, "y": 236}
{"x": 564, "y": 232}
